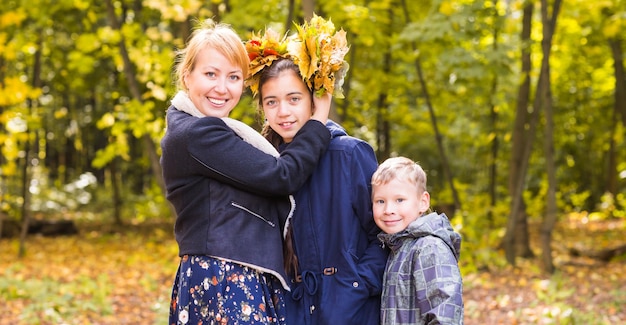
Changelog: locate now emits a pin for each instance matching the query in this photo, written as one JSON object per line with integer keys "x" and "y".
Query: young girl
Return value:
{"x": 337, "y": 276}
{"x": 229, "y": 188}
{"x": 423, "y": 283}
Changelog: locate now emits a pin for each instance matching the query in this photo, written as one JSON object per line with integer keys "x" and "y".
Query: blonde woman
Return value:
{"x": 229, "y": 188}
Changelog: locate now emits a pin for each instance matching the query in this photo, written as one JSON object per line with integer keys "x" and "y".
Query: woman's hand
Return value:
{"x": 321, "y": 107}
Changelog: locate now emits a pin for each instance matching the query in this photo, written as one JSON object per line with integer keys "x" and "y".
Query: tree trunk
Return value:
{"x": 493, "y": 166}
{"x": 433, "y": 118}
{"x": 308, "y": 8}
{"x": 290, "y": 14}
{"x": 117, "y": 198}
{"x": 549, "y": 26}
{"x": 520, "y": 136}
{"x": 611, "y": 168}
{"x": 619, "y": 108}
{"x": 382, "y": 124}
{"x": 604, "y": 255}
{"x": 25, "y": 210}
{"x": 3, "y": 216}
{"x": 383, "y": 141}
{"x": 620, "y": 77}
{"x": 133, "y": 85}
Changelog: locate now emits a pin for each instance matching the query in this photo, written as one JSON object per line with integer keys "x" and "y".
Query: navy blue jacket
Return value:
{"x": 341, "y": 262}
{"x": 231, "y": 198}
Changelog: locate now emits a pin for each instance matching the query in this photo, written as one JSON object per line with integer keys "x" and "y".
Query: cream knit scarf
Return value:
{"x": 182, "y": 102}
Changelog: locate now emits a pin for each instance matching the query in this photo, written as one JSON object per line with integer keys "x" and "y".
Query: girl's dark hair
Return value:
{"x": 268, "y": 73}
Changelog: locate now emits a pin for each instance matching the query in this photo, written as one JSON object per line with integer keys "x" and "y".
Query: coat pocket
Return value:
{"x": 257, "y": 215}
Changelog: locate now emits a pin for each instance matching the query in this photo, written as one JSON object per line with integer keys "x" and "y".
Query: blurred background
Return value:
{"x": 515, "y": 108}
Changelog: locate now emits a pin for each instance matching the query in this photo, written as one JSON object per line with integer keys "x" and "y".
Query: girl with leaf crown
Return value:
{"x": 337, "y": 270}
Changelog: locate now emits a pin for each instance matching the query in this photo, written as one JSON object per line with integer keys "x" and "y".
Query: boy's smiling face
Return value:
{"x": 396, "y": 204}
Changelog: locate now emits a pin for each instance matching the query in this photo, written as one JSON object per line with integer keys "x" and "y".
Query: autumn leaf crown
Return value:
{"x": 315, "y": 48}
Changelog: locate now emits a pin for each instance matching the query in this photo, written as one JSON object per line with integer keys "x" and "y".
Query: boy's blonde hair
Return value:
{"x": 400, "y": 168}
{"x": 210, "y": 34}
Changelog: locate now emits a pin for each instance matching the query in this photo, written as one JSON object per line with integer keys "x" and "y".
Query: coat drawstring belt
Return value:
{"x": 308, "y": 280}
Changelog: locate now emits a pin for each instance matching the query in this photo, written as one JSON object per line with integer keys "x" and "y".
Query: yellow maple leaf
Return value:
{"x": 319, "y": 54}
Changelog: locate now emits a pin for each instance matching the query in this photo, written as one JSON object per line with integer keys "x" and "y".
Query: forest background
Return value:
{"x": 516, "y": 109}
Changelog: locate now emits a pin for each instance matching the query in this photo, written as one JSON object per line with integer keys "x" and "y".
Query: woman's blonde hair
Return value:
{"x": 400, "y": 168}
{"x": 209, "y": 34}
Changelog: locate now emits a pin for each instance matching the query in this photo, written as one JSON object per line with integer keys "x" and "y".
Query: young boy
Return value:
{"x": 422, "y": 283}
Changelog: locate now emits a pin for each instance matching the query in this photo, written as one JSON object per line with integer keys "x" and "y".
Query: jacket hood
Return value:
{"x": 432, "y": 224}
{"x": 335, "y": 129}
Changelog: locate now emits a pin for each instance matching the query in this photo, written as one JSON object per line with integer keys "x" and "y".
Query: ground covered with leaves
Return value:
{"x": 113, "y": 275}
{"x": 583, "y": 290}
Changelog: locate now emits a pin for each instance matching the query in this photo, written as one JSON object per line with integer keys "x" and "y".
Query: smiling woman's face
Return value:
{"x": 215, "y": 84}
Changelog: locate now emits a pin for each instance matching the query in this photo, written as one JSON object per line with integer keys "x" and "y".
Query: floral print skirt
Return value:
{"x": 208, "y": 290}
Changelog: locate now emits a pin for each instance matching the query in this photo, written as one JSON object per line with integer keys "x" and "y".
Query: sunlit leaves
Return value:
{"x": 108, "y": 35}
{"x": 134, "y": 117}
{"x": 11, "y": 18}
{"x": 15, "y": 90}
{"x": 106, "y": 121}
{"x": 81, "y": 63}
{"x": 356, "y": 16}
{"x": 447, "y": 8}
{"x": 9, "y": 21}
{"x": 116, "y": 148}
{"x": 88, "y": 42}
{"x": 176, "y": 10}
{"x": 615, "y": 25}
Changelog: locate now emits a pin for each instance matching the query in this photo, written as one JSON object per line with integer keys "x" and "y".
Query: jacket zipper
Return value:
{"x": 253, "y": 213}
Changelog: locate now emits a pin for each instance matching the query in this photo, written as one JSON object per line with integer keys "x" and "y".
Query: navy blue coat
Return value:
{"x": 231, "y": 198}
{"x": 341, "y": 261}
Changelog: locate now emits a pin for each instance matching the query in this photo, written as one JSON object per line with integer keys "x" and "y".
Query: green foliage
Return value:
{"x": 482, "y": 229}
{"x": 611, "y": 206}
{"x": 150, "y": 205}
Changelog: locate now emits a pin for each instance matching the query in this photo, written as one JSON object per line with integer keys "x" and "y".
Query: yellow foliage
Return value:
{"x": 613, "y": 28}
{"x": 319, "y": 52}
{"x": 106, "y": 121}
{"x": 16, "y": 92}
{"x": 9, "y": 169}
{"x": 177, "y": 10}
{"x": 60, "y": 113}
{"x": 12, "y": 18}
{"x": 446, "y": 8}
{"x": 262, "y": 51}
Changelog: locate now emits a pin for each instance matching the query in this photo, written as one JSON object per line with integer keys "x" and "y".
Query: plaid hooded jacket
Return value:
{"x": 423, "y": 283}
